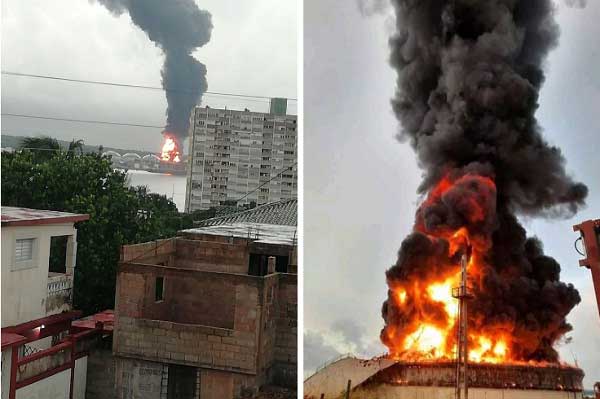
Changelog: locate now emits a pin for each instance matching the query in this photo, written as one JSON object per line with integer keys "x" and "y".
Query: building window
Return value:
{"x": 159, "y": 289}
{"x": 24, "y": 249}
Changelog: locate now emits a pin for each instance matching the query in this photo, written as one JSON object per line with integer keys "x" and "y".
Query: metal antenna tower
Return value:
{"x": 462, "y": 351}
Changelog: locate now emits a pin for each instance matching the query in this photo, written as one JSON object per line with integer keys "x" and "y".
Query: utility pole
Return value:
{"x": 462, "y": 351}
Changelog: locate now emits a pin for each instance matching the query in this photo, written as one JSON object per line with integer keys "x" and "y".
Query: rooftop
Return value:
{"x": 14, "y": 216}
{"x": 276, "y": 213}
{"x": 258, "y": 232}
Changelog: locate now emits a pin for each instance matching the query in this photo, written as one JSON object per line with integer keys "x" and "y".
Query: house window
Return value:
{"x": 24, "y": 249}
{"x": 159, "y": 289}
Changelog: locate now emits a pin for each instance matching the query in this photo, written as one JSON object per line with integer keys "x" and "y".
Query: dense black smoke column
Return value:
{"x": 469, "y": 75}
{"x": 178, "y": 27}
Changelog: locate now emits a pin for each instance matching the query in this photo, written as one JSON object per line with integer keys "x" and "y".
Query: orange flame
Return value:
{"x": 170, "y": 150}
{"x": 430, "y": 333}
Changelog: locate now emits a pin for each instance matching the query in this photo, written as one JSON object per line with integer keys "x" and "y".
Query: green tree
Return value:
{"x": 75, "y": 147}
{"x": 43, "y": 147}
{"x": 118, "y": 214}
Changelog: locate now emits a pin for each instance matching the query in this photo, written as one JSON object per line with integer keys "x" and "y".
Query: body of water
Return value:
{"x": 173, "y": 186}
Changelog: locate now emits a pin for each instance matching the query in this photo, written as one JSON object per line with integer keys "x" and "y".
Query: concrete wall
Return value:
{"x": 80, "y": 380}
{"x": 101, "y": 378}
{"x": 26, "y": 289}
{"x": 138, "y": 379}
{"x": 332, "y": 380}
{"x": 405, "y": 392}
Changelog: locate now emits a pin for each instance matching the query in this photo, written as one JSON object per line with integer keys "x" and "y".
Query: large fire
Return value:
{"x": 466, "y": 95}
{"x": 424, "y": 323}
{"x": 170, "y": 149}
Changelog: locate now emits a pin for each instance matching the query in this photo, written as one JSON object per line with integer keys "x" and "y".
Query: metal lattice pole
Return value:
{"x": 462, "y": 350}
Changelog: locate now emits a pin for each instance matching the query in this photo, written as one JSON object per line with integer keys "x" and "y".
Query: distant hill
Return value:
{"x": 15, "y": 142}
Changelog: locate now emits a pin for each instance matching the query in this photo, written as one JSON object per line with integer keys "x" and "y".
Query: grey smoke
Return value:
{"x": 372, "y": 7}
{"x": 576, "y": 3}
{"x": 177, "y": 27}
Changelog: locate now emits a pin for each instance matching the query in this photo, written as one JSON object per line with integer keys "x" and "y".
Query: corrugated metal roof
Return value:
{"x": 283, "y": 213}
{"x": 14, "y": 216}
{"x": 258, "y": 232}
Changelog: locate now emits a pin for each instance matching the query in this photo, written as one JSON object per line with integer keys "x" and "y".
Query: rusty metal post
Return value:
{"x": 590, "y": 233}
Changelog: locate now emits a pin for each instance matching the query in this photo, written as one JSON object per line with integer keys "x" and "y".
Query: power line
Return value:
{"x": 97, "y": 82}
{"x": 268, "y": 181}
{"x": 81, "y": 120}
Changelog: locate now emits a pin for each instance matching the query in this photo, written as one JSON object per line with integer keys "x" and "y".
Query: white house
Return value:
{"x": 43, "y": 353}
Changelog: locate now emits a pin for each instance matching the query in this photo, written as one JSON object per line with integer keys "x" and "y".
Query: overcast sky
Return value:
{"x": 360, "y": 183}
{"x": 253, "y": 50}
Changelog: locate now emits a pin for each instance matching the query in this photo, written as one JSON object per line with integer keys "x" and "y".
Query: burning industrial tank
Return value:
{"x": 171, "y": 149}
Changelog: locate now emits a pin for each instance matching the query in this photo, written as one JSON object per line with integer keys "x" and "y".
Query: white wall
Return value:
{"x": 54, "y": 387}
{"x": 6, "y": 361}
{"x": 24, "y": 291}
{"x": 80, "y": 378}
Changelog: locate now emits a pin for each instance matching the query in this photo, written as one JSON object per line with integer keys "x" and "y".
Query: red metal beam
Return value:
{"x": 44, "y": 321}
{"x": 10, "y": 340}
{"x": 590, "y": 231}
{"x": 44, "y": 353}
{"x": 31, "y": 332}
{"x": 14, "y": 358}
{"x": 41, "y": 376}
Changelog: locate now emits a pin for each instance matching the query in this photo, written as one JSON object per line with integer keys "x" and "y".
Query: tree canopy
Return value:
{"x": 118, "y": 214}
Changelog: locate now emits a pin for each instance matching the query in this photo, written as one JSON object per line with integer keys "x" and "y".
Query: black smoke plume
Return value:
{"x": 469, "y": 76}
{"x": 178, "y": 27}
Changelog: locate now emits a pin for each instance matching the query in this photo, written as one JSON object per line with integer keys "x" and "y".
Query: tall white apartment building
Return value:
{"x": 244, "y": 155}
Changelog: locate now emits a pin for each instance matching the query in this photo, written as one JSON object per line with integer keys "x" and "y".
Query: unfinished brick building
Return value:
{"x": 211, "y": 313}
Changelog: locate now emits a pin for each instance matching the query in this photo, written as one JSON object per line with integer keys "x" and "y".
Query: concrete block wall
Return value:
{"x": 145, "y": 252}
{"x": 268, "y": 328}
{"x": 286, "y": 343}
{"x": 190, "y": 345}
{"x": 240, "y": 331}
{"x": 189, "y": 297}
{"x": 223, "y": 255}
